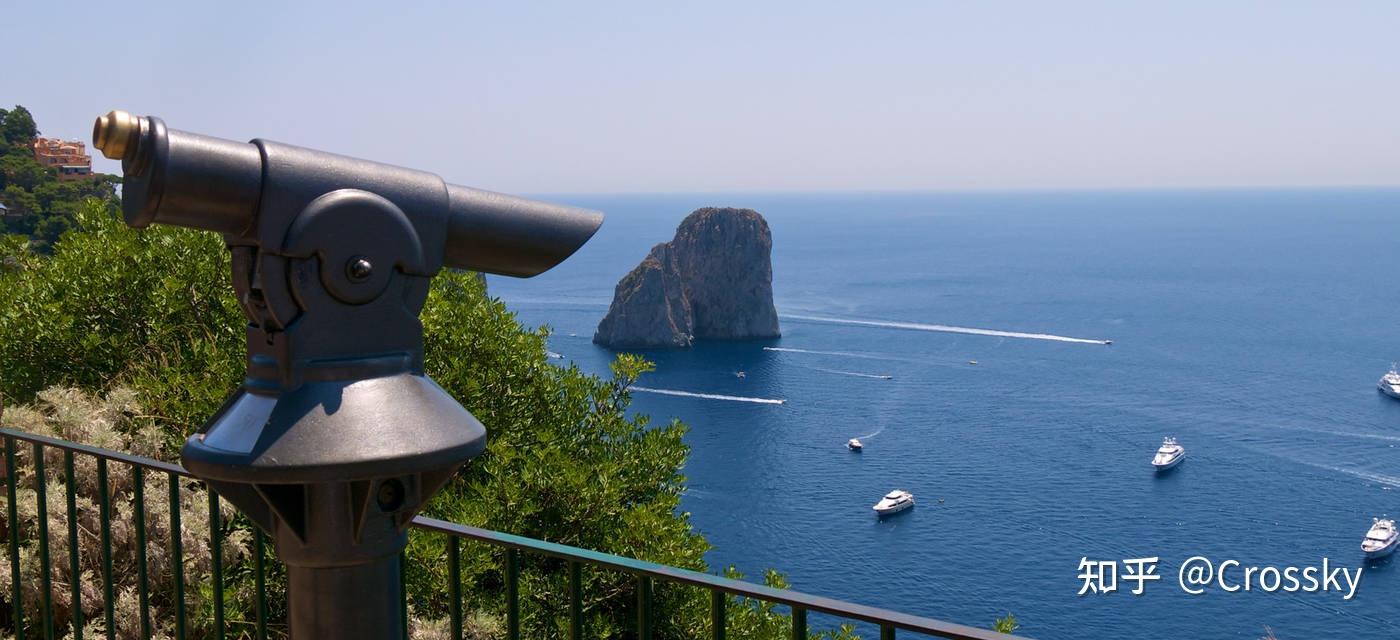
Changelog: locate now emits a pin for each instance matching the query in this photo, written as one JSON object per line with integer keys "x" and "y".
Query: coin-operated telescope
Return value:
{"x": 336, "y": 437}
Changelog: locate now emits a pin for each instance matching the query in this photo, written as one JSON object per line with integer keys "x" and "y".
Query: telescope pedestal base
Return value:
{"x": 363, "y": 601}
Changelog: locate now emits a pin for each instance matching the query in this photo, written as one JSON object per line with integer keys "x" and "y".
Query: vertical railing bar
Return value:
{"x": 216, "y": 561}
{"x": 75, "y": 565}
{"x": 644, "y": 607}
{"x": 177, "y": 557}
{"x": 513, "y": 594}
{"x": 41, "y": 490}
{"x": 260, "y": 581}
{"x": 799, "y": 623}
{"x": 454, "y": 585}
{"x": 12, "y": 510}
{"x": 138, "y": 502}
{"x": 104, "y": 506}
{"x": 886, "y": 632}
{"x": 403, "y": 591}
{"x": 717, "y": 617}
{"x": 575, "y": 600}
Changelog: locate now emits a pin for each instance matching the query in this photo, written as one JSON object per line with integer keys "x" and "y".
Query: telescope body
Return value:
{"x": 193, "y": 180}
{"x": 336, "y": 438}
{"x": 311, "y": 232}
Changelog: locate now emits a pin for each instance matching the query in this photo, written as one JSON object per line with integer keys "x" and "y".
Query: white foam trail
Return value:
{"x": 857, "y": 374}
{"x": 1346, "y": 434}
{"x": 941, "y": 328}
{"x": 707, "y": 396}
{"x": 1378, "y": 478}
{"x": 846, "y": 354}
{"x": 871, "y": 435}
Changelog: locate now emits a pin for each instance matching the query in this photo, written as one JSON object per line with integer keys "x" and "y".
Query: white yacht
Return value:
{"x": 854, "y": 444}
{"x": 1168, "y": 455}
{"x": 1390, "y": 382}
{"x": 1381, "y": 539}
{"x": 894, "y": 502}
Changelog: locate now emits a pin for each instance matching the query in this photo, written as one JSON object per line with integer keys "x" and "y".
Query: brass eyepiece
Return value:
{"x": 115, "y": 134}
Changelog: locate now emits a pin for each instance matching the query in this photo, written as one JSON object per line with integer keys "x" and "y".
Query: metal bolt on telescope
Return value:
{"x": 336, "y": 437}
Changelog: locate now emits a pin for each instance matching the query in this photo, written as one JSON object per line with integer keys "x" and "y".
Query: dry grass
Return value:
{"x": 108, "y": 422}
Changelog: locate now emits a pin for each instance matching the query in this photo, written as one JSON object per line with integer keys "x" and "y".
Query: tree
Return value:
{"x": 22, "y": 171}
{"x": 19, "y": 201}
{"x": 18, "y": 126}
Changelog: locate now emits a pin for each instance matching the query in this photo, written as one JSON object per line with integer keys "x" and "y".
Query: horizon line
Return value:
{"x": 977, "y": 190}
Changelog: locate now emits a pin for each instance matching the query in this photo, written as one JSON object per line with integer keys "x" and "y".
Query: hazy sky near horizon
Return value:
{"x": 557, "y": 97}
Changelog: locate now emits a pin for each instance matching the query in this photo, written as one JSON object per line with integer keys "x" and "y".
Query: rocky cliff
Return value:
{"x": 713, "y": 281}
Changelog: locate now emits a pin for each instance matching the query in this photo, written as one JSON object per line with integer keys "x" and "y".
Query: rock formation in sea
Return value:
{"x": 712, "y": 281}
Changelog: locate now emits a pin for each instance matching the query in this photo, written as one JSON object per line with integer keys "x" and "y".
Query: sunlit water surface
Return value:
{"x": 1251, "y": 325}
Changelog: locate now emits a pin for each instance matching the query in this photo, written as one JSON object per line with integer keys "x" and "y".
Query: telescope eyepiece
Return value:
{"x": 117, "y": 135}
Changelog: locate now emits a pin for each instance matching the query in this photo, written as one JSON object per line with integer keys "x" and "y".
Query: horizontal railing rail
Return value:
{"x": 721, "y": 589}
{"x": 886, "y": 619}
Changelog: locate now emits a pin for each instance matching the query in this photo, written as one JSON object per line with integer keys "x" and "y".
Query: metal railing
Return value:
{"x": 724, "y": 592}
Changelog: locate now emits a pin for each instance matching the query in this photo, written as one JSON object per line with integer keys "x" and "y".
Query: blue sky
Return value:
{"x": 751, "y": 96}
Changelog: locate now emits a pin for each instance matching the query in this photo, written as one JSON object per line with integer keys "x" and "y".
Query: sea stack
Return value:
{"x": 713, "y": 281}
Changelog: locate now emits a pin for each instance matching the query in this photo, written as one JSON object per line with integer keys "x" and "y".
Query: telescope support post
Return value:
{"x": 358, "y": 601}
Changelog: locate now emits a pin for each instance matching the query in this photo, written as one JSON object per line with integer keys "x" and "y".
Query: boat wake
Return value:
{"x": 873, "y": 376}
{"x": 941, "y": 328}
{"x": 844, "y": 354}
{"x": 1378, "y": 478}
{"x": 871, "y": 435}
{"x": 707, "y": 396}
{"x": 1346, "y": 434}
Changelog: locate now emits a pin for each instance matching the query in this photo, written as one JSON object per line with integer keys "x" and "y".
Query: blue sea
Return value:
{"x": 1252, "y": 325}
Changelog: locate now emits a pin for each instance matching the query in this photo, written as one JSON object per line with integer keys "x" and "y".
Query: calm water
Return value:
{"x": 1250, "y": 325}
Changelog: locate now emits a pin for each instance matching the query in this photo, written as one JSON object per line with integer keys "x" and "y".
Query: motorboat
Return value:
{"x": 894, "y": 502}
{"x": 1107, "y": 342}
{"x": 1390, "y": 382}
{"x": 1168, "y": 455}
{"x": 1382, "y": 539}
{"x": 740, "y": 375}
{"x": 854, "y": 445}
{"x": 972, "y": 362}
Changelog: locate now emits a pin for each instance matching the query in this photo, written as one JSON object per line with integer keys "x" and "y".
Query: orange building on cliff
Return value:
{"x": 68, "y": 157}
